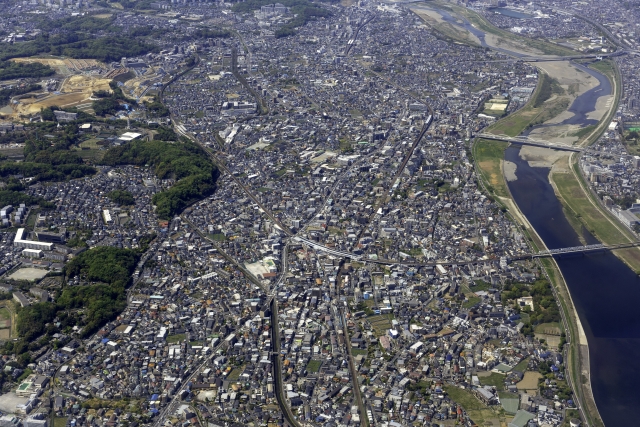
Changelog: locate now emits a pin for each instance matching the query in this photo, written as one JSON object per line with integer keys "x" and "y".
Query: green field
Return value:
{"x": 172, "y": 339}
{"x": 468, "y": 401}
{"x": 5, "y": 314}
{"x": 234, "y": 375}
{"x": 91, "y": 143}
{"x": 478, "y": 411}
{"x": 314, "y": 366}
{"x": 472, "y": 301}
{"x": 358, "y": 351}
{"x": 480, "y": 285}
{"x": 554, "y": 328}
{"x": 579, "y": 204}
{"x": 510, "y": 402}
{"x": 380, "y": 323}
{"x": 90, "y": 150}
{"x": 605, "y": 67}
{"x": 488, "y": 156}
{"x": 495, "y": 380}
{"x": 522, "y": 366}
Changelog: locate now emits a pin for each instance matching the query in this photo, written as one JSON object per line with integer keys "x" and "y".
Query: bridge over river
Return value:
{"x": 524, "y": 140}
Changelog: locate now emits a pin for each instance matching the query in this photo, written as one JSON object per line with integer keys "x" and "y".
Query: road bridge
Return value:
{"x": 584, "y": 249}
{"x": 571, "y": 250}
{"x": 524, "y": 140}
{"x": 543, "y": 58}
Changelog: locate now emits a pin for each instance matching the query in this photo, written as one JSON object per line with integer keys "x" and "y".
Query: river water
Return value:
{"x": 511, "y": 13}
{"x": 462, "y": 22}
{"x": 605, "y": 292}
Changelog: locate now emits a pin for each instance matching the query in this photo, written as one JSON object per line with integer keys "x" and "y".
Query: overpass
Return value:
{"x": 524, "y": 140}
{"x": 352, "y": 41}
{"x": 321, "y": 248}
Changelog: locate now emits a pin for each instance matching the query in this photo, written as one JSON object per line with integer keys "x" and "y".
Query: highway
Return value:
{"x": 542, "y": 254}
{"x": 557, "y": 58}
{"x": 585, "y": 249}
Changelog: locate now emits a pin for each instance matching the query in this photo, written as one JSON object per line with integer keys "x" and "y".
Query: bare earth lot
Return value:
{"x": 29, "y": 274}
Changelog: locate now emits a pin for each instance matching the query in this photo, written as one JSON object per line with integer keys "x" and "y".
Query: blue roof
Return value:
{"x": 154, "y": 397}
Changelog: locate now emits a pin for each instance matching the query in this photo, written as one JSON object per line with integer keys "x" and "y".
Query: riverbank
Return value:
{"x": 582, "y": 205}
{"x": 492, "y": 169}
{"x": 462, "y": 25}
{"x": 494, "y": 172}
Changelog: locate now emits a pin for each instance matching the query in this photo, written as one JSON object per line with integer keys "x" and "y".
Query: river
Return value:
{"x": 462, "y": 22}
{"x": 605, "y": 292}
{"x": 512, "y": 13}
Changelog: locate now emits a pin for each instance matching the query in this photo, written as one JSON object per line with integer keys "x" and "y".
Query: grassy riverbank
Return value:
{"x": 542, "y": 106}
{"x": 489, "y": 156}
{"x": 583, "y": 205}
{"x": 580, "y": 202}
